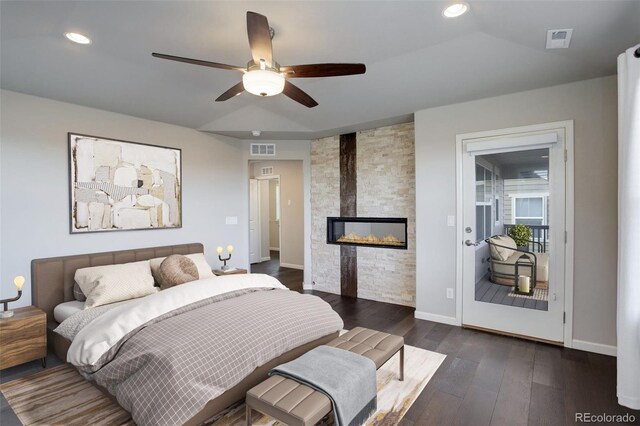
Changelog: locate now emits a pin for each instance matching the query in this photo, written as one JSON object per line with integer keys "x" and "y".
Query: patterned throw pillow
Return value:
{"x": 175, "y": 270}
{"x": 204, "y": 269}
{"x": 78, "y": 294}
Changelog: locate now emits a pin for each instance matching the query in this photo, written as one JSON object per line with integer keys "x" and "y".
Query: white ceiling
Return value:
{"x": 415, "y": 58}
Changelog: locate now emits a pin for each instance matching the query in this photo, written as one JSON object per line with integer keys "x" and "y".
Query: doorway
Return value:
{"x": 276, "y": 220}
{"x": 514, "y": 224}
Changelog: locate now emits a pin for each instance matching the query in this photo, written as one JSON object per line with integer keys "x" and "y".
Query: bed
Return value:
{"x": 52, "y": 285}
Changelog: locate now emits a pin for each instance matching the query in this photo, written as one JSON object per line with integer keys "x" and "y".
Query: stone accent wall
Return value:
{"x": 325, "y": 201}
{"x": 385, "y": 187}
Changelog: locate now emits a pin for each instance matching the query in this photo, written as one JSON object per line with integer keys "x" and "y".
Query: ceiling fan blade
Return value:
{"x": 235, "y": 90}
{"x": 295, "y": 93}
{"x": 322, "y": 70}
{"x": 198, "y": 62}
{"x": 259, "y": 38}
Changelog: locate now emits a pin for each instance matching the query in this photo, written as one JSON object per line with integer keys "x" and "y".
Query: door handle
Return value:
{"x": 470, "y": 243}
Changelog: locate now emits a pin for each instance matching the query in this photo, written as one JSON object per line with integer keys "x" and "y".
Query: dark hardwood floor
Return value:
{"x": 290, "y": 277}
{"x": 489, "y": 379}
{"x": 486, "y": 379}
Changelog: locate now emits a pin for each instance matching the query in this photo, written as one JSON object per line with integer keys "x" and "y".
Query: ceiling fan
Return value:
{"x": 265, "y": 77}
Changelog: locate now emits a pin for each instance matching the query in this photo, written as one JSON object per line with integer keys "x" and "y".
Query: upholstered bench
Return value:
{"x": 299, "y": 405}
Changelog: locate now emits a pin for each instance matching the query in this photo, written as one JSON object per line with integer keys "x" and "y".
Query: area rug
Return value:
{"x": 61, "y": 396}
{"x": 538, "y": 294}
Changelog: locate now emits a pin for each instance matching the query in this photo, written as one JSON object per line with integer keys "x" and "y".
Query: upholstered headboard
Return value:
{"x": 52, "y": 278}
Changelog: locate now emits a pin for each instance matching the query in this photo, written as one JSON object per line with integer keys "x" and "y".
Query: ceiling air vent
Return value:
{"x": 559, "y": 39}
{"x": 267, "y": 171}
{"x": 263, "y": 149}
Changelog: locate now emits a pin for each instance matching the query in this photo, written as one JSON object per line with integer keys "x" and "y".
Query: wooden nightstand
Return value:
{"x": 236, "y": 271}
{"x": 23, "y": 337}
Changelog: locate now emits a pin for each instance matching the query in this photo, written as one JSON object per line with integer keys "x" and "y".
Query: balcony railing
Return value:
{"x": 539, "y": 234}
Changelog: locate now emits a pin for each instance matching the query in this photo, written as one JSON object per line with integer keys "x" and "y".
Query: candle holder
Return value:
{"x": 224, "y": 259}
{"x": 6, "y": 313}
{"x": 524, "y": 262}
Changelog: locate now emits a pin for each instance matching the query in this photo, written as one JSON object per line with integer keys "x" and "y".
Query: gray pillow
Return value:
{"x": 78, "y": 294}
{"x": 175, "y": 270}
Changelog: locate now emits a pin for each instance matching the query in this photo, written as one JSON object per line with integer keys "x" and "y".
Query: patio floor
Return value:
{"x": 486, "y": 291}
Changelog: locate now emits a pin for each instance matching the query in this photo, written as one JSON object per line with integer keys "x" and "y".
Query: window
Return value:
{"x": 489, "y": 192}
{"x": 484, "y": 202}
{"x": 530, "y": 209}
{"x": 499, "y": 189}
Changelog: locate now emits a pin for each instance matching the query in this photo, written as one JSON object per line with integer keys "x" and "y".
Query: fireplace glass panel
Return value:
{"x": 370, "y": 232}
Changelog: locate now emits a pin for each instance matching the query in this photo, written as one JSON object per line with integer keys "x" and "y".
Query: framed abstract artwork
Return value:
{"x": 118, "y": 185}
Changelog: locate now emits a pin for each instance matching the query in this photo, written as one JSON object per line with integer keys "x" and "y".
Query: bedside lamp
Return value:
{"x": 19, "y": 282}
{"x": 219, "y": 251}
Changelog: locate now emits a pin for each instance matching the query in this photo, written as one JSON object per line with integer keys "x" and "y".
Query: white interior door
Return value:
{"x": 254, "y": 222}
{"x": 263, "y": 190}
{"x": 500, "y": 189}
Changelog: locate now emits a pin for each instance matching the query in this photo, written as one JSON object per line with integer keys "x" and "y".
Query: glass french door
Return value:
{"x": 510, "y": 183}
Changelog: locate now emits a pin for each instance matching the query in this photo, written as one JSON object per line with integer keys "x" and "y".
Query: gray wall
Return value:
{"x": 34, "y": 191}
{"x": 593, "y": 106}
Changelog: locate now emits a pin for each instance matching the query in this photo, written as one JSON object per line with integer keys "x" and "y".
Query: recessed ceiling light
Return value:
{"x": 78, "y": 38}
{"x": 455, "y": 10}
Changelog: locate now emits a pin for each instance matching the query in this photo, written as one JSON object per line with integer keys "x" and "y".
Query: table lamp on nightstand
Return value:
{"x": 19, "y": 282}
{"x": 219, "y": 251}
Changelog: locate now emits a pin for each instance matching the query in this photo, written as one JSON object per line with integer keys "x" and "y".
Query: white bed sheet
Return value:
{"x": 66, "y": 309}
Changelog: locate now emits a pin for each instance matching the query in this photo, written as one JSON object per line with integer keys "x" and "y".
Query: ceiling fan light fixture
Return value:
{"x": 78, "y": 38}
{"x": 263, "y": 82}
{"x": 455, "y": 10}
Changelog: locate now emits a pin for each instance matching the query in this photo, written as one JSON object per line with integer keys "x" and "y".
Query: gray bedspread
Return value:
{"x": 167, "y": 370}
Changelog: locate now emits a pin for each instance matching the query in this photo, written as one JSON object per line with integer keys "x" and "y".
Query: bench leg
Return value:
{"x": 249, "y": 413}
{"x": 402, "y": 363}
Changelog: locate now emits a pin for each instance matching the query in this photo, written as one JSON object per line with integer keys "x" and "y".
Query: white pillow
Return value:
{"x": 204, "y": 270}
{"x": 501, "y": 253}
{"x": 113, "y": 283}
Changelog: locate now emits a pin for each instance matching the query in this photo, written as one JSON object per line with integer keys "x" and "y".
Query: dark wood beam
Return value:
{"x": 348, "y": 208}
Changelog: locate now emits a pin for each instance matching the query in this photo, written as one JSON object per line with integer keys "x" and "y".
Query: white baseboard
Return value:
{"x": 436, "y": 318}
{"x": 306, "y": 286}
{"x": 266, "y": 258}
{"x": 291, "y": 265}
{"x": 274, "y": 248}
{"x": 597, "y": 348}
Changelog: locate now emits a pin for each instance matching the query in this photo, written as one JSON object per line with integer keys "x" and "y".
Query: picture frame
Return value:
{"x": 119, "y": 185}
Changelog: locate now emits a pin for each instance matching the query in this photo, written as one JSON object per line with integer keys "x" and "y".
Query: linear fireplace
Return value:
{"x": 383, "y": 232}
